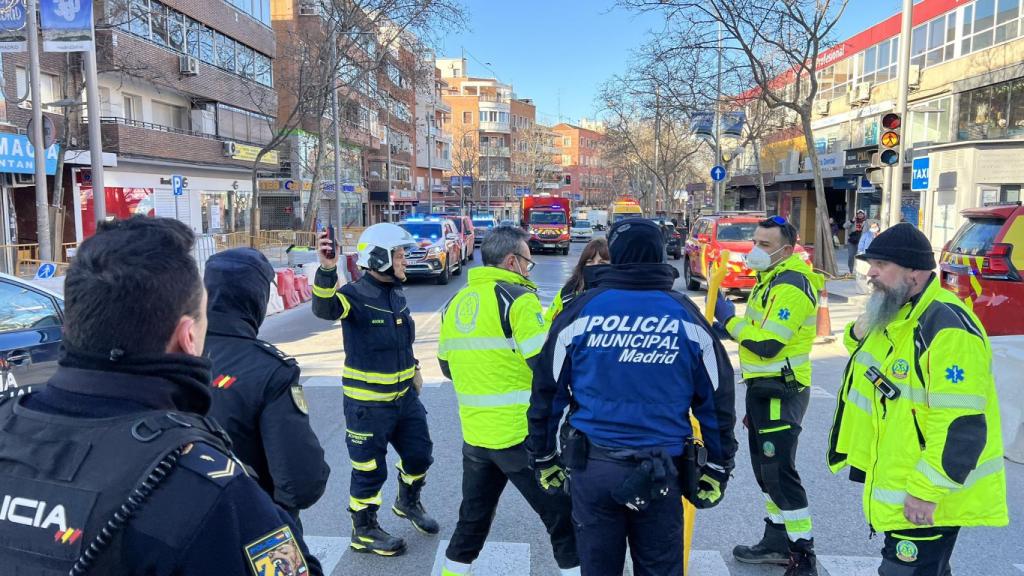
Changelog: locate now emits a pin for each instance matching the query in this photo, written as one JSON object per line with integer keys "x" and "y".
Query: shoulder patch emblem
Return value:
{"x": 955, "y": 374}
{"x": 784, "y": 314}
{"x": 299, "y": 398}
{"x": 466, "y": 312}
{"x": 223, "y": 381}
{"x": 277, "y": 554}
{"x": 900, "y": 369}
{"x": 210, "y": 463}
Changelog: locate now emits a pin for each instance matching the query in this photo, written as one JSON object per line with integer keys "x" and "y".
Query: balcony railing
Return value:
{"x": 494, "y": 127}
{"x": 503, "y": 151}
{"x": 117, "y": 120}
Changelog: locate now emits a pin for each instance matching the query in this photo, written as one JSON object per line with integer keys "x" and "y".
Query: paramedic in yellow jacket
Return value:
{"x": 917, "y": 418}
{"x": 775, "y": 338}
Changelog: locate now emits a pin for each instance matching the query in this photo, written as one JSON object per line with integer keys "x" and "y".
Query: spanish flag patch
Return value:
{"x": 223, "y": 382}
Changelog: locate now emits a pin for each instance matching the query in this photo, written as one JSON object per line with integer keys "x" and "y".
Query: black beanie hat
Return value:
{"x": 636, "y": 241}
{"x": 903, "y": 244}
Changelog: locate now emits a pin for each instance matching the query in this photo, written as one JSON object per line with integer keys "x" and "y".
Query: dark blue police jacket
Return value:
{"x": 636, "y": 358}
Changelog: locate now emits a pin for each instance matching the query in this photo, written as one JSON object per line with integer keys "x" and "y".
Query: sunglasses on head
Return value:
{"x": 776, "y": 220}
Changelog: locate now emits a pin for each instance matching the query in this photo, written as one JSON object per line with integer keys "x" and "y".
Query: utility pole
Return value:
{"x": 718, "y": 123}
{"x": 336, "y": 129}
{"x": 387, "y": 127}
{"x": 657, "y": 149}
{"x": 903, "y": 75}
{"x": 36, "y": 136}
{"x": 430, "y": 140}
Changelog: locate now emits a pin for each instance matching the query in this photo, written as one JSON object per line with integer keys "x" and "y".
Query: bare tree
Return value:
{"x": 777, "y": 43}
{"x": 465, "y": 158}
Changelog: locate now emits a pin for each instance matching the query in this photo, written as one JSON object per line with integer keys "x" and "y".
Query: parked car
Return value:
{"x": 464, "y": 225}
{"x": 673, "y": 240}
{"x": 31, "y": 329}
{"x": 482, "y": 225}
{"x": 438, "y": 253}
{"x": 581, "y": 230}
{"x": 984, "y": 262}
{"x": 714, "y": 233}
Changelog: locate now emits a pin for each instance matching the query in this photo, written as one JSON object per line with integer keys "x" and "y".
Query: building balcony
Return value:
{"x": 499, "y": 151}
{"x": 502, "y": 127}
{"x": 495, "y": 176}
{"x": 136, "y": 139}
{"x": 442, "y": 106}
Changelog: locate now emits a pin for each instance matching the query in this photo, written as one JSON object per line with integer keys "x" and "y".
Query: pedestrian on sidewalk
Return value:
{"x": 381, "y": 383}
{"x": 117, "y": 466}
{"x": 491, "y": 334}
{"x": 861, "y": 266}
{"x": 633, "y": 359}
{"x": 775, "y": 337}
{"x": 593, "y": 261}
{"x": 854, "y": 228}
{"x": 257, "y": 396}
{"x": 917, "y": 419}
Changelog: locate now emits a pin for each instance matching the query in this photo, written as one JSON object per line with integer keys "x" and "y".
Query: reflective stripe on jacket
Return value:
{"x": 940, "y": 440}
{"x": 488, "y": 332}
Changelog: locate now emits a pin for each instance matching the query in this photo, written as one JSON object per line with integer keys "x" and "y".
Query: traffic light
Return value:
{"x": 889, "y": 152}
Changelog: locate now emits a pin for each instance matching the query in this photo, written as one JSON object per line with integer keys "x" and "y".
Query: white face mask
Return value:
{"x": 758, "y": 260}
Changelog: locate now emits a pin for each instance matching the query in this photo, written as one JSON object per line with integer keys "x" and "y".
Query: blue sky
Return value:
{"x": 559, "y": 52}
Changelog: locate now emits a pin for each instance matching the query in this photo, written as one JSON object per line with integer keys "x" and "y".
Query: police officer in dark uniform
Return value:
{"x": 381, "y": 383}
{"x": 113, "y": 467}
{"x": 636, "y": 359}
{"x": 256, "y": 392}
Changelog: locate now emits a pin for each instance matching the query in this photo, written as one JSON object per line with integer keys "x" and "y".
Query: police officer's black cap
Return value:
{"x": 903, "y": 244}
{"x": 636, "y": 241}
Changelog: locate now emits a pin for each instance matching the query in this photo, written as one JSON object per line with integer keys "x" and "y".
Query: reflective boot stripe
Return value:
{"x": 798, "y": 524}
{"x": 774, "y": 513}
{"x": 357, "y": 504}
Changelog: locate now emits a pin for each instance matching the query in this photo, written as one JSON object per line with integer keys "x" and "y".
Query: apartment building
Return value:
{"x": 433, "y": 144}
{"x": 965, "y": 127}
{"x": 585, "y": 173}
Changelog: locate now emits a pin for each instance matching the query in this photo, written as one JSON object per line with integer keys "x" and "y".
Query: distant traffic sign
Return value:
{"x": 718, "y": 173}
{"x": 178, "y": 184}
{"x": 46, "y": 270}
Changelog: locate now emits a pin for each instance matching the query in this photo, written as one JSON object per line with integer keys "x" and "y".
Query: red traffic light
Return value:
{"x": 891, "y": 121}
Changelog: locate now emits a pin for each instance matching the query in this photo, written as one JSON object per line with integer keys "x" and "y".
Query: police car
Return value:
{"x": 438, "y": 253}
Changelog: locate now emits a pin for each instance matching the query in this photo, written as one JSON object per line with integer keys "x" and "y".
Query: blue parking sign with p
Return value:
{"x": 178, "y": 185}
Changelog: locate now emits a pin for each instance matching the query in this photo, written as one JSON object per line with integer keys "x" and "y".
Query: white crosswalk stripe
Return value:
{"x": 327, "y": 549}
{"x": 850, "y": 565}
{"x": 819, "y": 392}
{"x": 1019, "y": 567}
{"x": 496, "y": 559}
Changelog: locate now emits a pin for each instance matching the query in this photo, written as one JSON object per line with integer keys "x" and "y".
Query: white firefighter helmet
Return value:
{"x": 377, "y": 242}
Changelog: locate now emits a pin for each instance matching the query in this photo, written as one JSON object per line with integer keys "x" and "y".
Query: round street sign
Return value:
{"x": 890, "y": 139}
{"x": 718, "y": 173}
{"x": 49, "y": 131}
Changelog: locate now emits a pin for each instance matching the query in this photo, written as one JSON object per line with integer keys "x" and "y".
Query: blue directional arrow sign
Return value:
{"x": 46, "y": 270}
{"x": 718, "y": 173}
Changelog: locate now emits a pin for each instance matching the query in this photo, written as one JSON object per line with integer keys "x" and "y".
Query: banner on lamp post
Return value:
{"x": 66, "y": 25}
{"x": 13, "y": 31}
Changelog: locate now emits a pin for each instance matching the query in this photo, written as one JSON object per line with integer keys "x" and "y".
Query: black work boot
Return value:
{"x": 802, "y": 561}
{"x": 408, "y": 506}
{"x": 772, "y": 549}
{"x": 368, "y": 536}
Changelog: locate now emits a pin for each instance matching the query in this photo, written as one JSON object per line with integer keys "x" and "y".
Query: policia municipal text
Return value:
{"x": 381, "y": 383}
{"x": 917, "y": 419}
{"x": 775, "y": 338}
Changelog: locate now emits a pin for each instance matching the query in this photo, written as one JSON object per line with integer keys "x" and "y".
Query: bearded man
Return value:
{"x": 917, "y": 419}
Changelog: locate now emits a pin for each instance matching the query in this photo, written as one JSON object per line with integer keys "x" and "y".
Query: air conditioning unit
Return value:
{"x": 229, "y": 148}
{"x": 914, "y": 81}
{"x": 309, "y": 8}
{"x": 24, "y": 180}
{"x": 862, "y": 93}
{"x": 821, "y": 107}
{"x": 188, "y": 66}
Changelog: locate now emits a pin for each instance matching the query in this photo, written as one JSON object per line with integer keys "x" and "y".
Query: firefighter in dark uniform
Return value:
{"x": 381, "y": 384}
{"x": 113, "y": 467}
{"x": 256, "y": 392}
{"x": 635, "y": 359}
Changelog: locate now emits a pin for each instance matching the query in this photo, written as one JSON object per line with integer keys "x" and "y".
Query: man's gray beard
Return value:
{"x": 885, "y": 303}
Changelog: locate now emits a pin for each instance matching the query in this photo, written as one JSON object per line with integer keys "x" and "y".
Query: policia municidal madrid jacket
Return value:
{"x": 489, "y": 331}
{"x": 378, "y": 332}
{"x": 940, "y": 440}
{"x": 779, "y": 325}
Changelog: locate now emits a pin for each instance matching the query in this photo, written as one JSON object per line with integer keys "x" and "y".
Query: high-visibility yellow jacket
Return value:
{"x": 488, "y": 332}
{"x": 940, "y": 440}
{"x": 780, "y": 321}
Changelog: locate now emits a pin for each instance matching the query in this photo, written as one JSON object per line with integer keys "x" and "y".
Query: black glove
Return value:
{"x": 710, "y": 487}
{"x": 549, "y": 473}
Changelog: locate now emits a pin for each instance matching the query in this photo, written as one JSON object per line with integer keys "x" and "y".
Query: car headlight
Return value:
{"x": 434, "y": 252}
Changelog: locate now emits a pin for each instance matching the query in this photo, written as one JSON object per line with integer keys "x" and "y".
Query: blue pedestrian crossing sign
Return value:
{"x": 46, "y": 270}
{"x": 178, "y": 184}
{"x": 718, "y": 173}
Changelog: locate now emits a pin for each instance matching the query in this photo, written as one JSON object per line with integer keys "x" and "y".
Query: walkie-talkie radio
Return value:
{"x": 882, "y": 384}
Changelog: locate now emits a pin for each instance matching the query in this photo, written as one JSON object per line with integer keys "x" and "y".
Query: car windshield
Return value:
{"x": 547, "y": 218}
{"x": 736, "y": 231}
{"x": 423, "y": 230}
{"x": 976, "y": 236}
{"x": 483, "y": 223}
{"x": 582, "y": 224}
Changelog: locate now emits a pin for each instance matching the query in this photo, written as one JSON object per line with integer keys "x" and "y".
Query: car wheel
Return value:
{"x": 446, "y": 275}
{"x": 691, "y": 283}
{"x": 565, "y": 251}
{"x": 677, "y": 255}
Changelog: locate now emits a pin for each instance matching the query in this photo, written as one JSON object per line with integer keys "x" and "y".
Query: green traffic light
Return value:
{"x": 889, "y": 157}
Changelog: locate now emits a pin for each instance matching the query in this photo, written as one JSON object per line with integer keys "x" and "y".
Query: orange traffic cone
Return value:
{"x": 824, "y": 320}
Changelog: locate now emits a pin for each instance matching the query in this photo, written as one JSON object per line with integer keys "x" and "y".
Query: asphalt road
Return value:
{"x": 518, "y": 544}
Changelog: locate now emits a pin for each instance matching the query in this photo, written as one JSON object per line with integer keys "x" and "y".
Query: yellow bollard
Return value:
{"x": 718, "y": 271}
